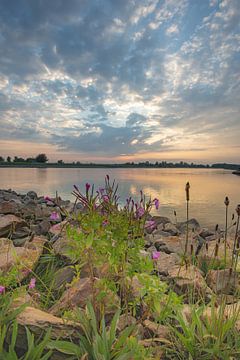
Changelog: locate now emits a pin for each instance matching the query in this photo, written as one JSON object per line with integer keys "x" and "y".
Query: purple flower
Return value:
{"x": 156, "y": 203}
{"x": 47, "y": 198}
{"x": 140, "y": 212}
{"x": 55, "y": 216}
{"x": 87, "y": 187}
{"x": 150, "y": 224}
{"x": 105, "y": 198}
{"x": 105, "y": 222}
{"x": 32, "y": 283}
{"x": 155, "y": 255}
{"x": 101, "y": 190}
{"x": 2, "y": 289}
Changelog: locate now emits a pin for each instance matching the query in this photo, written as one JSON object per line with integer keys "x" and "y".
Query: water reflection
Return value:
{"x": 208, "y": 187}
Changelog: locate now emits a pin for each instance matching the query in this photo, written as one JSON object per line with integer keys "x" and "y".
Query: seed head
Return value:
{"x": 238, "y": 209}
{"x": 226, "y": 201}
{"x": 187, "y": 187}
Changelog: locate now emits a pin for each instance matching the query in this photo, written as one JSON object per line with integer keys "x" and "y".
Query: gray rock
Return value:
{"x": 171, "y": 229}
{"x": 32, "y": 195}
{"x": 9, "y": 224}
{"x": 193, "y": 224}
{"x": 63, "y": 276}
{"x": 161, "y": 220}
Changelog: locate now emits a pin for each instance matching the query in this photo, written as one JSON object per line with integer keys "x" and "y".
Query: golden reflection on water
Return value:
{"x": 208, "y": 187}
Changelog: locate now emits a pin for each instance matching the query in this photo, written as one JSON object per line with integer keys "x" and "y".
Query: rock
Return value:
{"x": 152, "y": 329}
{"x": 166, "y": 262}
{"x": 10, "y": 223}
{"x": 170, "y": 244}
{"x": 161, "y": 220}
{"x": 125, "y": 321}
{"x": 158, "y": 233}
{"x": 63, "y": 276}
{"x": 82, "y": 292}
{"x": 171, "y": 229}
{"x": 38, "y": 322}
{"x": 21, "y": 241}
{"x": 210, "y": 238}
{"x": 42, "y": 228}
{"x": 9, "y": 207}
{"x": 189, "y": 282}
{"x": 25, "y": 257}
{"x": 32, "y": 195}
{"x": 221, "y": 282}
{"x": 193, "y": 224}
{"x": 63, "y": 246}
{"x": 205, "y": 233}
{"x": 21, "y": 233}
{"x": 58, "y": 228}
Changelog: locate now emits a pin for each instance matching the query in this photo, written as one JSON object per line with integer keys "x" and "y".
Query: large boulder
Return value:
{"x": 166, "y": 262}
{"x": 193, "y": 224}
{"x": 9, "y": 224}
{"x": 81, "y": 292}
{"x": 170, "y": 244}
{"x": 223, "y": 281}
{"x": 10, "y": 207}
{"x": 189, "y": 282}
{"x": 25, "y": 257}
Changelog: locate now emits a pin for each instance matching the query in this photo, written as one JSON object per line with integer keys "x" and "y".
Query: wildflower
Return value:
{"x": 150, "y": 224}
{"x": 105, "y": 198}
{"x": 47, "y": 198}
{"x": 105, "y": 222}
{"x": 2, "y": 289}
{"x": 101, "y": 190}
{"x": 155, "y": 255}
{"x": 55, "y": 216}
{"x": 140, "y": 212}
{"x": 32, "y": 283}
{"x": 156, "y": 203}
{"x": 87, "y": 187}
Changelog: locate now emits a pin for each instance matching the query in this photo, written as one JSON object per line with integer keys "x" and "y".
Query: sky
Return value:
{"x": 120, "y": 80}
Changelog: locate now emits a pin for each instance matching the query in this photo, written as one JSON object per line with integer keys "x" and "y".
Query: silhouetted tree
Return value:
{"x": 60, "y": 162}
{"x": 41, "y": 158}
{"x": 1, "y": 159}
{"x": 9, "y": 159}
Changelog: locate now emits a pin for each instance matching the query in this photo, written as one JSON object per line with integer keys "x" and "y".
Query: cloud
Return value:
{"x": 120, "y": 77}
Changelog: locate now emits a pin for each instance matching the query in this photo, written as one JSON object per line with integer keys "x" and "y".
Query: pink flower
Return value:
{"x": 87, "y": 187}
{"x": 55, "y": 216}
{"x": 156, "y": 203}
{"x": 105, "y": 198}
{"x": 155, "y": 255}
{"x": 2, "y": 289}
{"x": 150, "y": 224}
{"x": 140, "y": 212}
{"x": 32, "y": 283}
{"x": 47, "y": 198}
{"x": 105, "y": 222}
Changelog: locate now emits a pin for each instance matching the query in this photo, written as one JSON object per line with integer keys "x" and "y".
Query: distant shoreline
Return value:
{"x": 137, "y": 166}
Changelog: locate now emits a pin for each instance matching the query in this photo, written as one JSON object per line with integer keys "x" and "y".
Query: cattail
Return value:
{"x": 207, "y": 246}
{"x": 175, "y": 214}
{"x": 191, "y": 249}
{"x": 216, "y": 250}
{"x": 187, "y": 188}
{"x": 238, "y": 210}
{"x": 233, "y": 217}
{"x": 226, "y": 201}
{"x": 216, "y": 228}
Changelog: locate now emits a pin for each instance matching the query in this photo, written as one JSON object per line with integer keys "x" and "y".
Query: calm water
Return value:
{"x": 208, "y": 187}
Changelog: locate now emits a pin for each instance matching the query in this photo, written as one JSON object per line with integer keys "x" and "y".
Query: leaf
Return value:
{"x": 65, "y": 347}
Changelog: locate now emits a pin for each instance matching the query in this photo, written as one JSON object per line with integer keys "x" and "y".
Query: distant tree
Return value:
{"x": 41, "y": 158}
{"x": 29, "y": 160}
{"x": 1, "y": 159}
{"x": 60, "y": 162}
{"x": 9, "y": 159}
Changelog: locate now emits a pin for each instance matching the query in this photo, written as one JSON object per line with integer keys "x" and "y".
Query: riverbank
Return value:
{"x": 57, "y": 255}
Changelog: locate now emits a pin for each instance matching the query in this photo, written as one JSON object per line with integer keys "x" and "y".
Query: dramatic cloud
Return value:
{"x": 113, "y": 79}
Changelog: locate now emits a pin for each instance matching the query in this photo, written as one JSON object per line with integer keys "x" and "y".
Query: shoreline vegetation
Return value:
{"x": 92, "y": 281}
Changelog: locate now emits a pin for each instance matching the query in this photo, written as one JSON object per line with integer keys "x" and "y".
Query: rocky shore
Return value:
{"x": 30, "y": 225}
